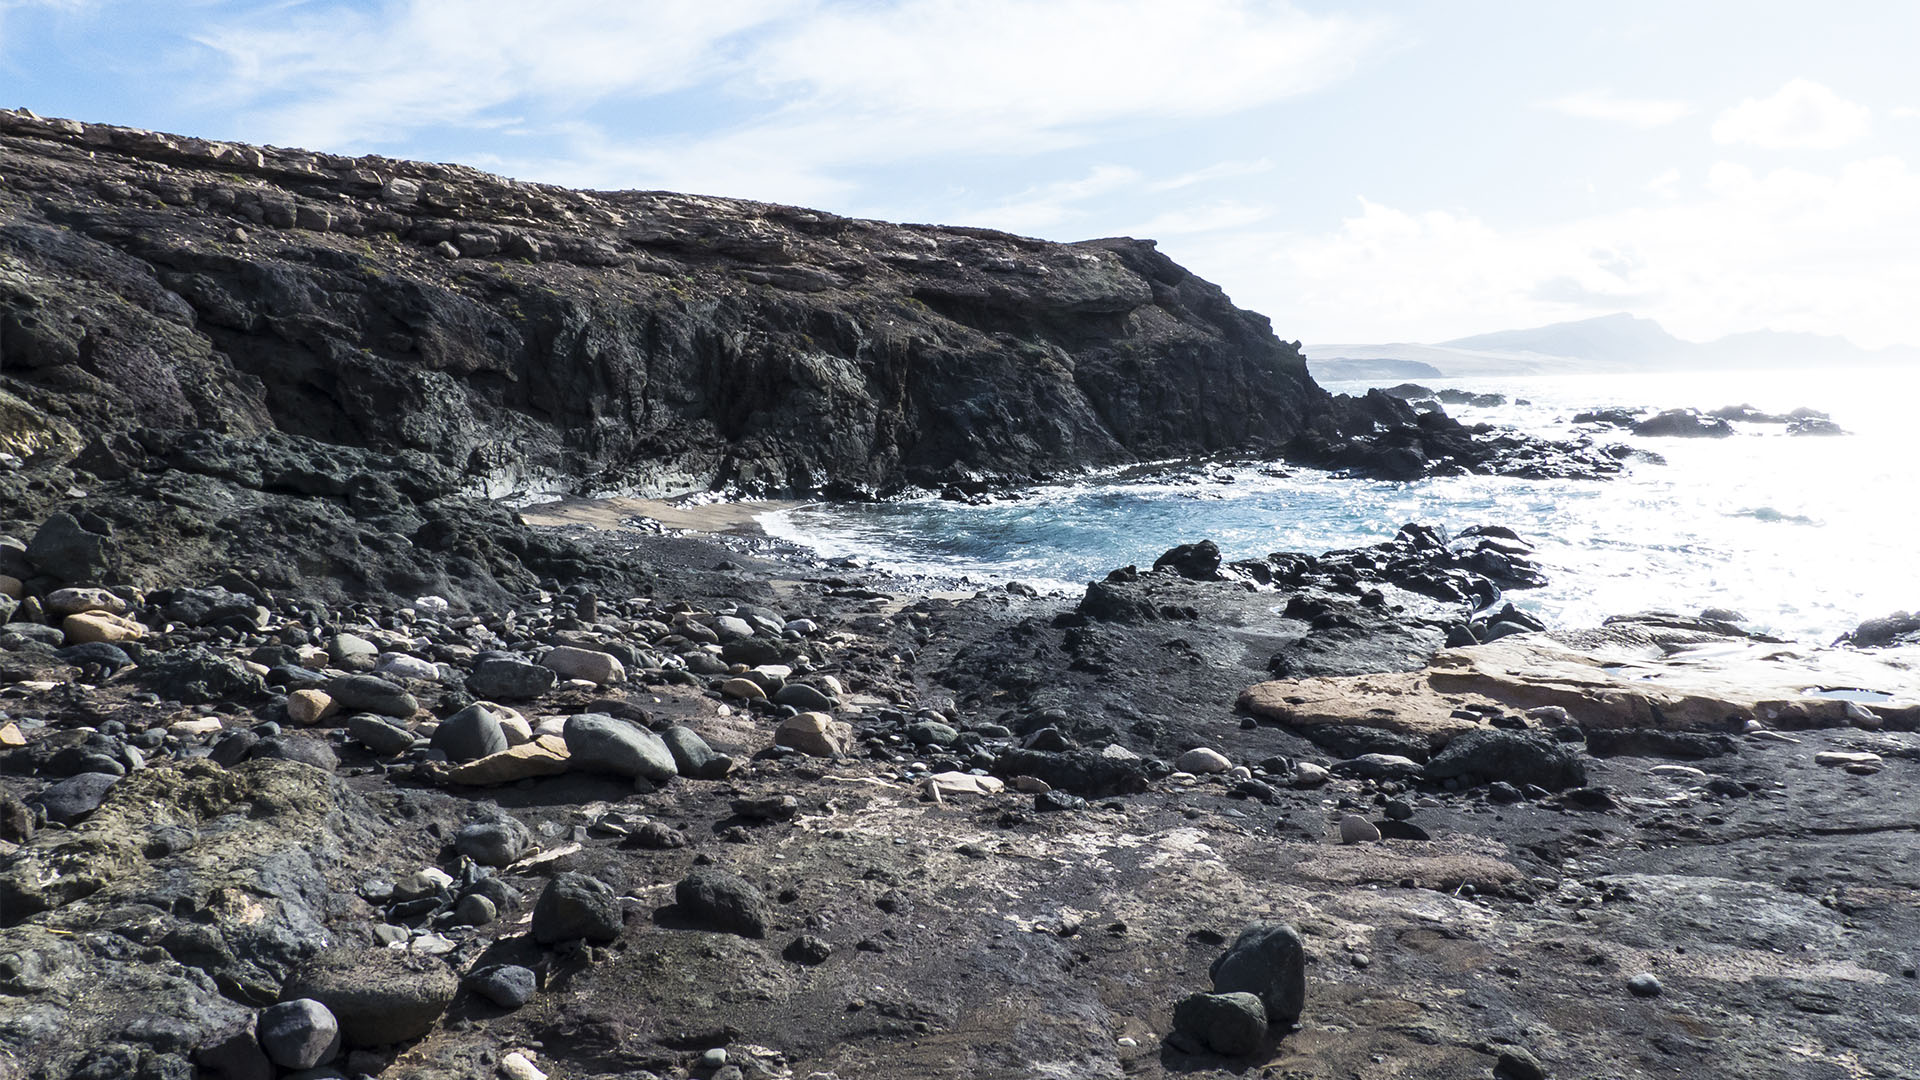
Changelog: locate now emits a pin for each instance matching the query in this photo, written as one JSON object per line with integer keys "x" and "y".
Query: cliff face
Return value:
{"x": 518, "y": 333}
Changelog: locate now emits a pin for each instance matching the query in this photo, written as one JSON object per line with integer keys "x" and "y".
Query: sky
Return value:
{"x": 1359, "y": 172}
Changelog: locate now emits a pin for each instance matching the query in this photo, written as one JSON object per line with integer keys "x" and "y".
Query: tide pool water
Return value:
{"x": 1805, "y": 536}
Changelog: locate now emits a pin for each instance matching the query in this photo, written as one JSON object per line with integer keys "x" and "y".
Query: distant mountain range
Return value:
{"x": 1609, "y": 343}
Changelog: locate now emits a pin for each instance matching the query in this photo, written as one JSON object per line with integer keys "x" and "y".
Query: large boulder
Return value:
{"x": 379, "y": 996}
{"x": 1268, "y": 961}
{"x": 1517, "y": 757}
{"x": 600, "y": 743}
{"x": 507, "y": 679}
{"x": 1233, "y": 1025}
{"x": 575, "y": 906}
{"x": 723, "y": 901}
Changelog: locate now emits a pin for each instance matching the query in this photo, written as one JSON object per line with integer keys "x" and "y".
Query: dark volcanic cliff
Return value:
{"x": 522, "y": 332}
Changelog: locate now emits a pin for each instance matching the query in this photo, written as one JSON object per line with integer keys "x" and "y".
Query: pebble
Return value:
{"x": 493, "y": 843}
{"x": 474, "y": 910}
{"x": 721, "y": 900}
{"x": 713, "y": 1058}
{"x": 384, "y": 738}
{"x": 370, "y": 693}
{"x": 1306, "y": 774}
{"x": 1841, "y": 757}
{"x": 101, "y": 626}
{"x": 1355, "y": 829}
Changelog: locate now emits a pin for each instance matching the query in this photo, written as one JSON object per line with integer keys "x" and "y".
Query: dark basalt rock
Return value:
{"x": 295, "y": 404}
{"x": 1516, "y": 757}
{"x": 1683, "y": 423}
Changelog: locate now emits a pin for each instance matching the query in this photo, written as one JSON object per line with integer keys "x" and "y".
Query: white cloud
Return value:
{"x": 1634, "y": 112}
{"x": 1802, "y": 115}
{"x": 1824, "y": 252}
{"x": 1905, "y": 112}
{"x": 811, "y": 87}
{"x": 1050, "y": 204}
{"x": 1210, "y": 217}
{"x": 1225, "y": 170}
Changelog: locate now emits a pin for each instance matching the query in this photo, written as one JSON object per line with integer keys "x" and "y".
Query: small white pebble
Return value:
{"x": 515, "y": 1066}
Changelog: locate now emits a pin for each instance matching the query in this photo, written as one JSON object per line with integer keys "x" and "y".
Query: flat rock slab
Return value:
{"x": 1613, "y": 677}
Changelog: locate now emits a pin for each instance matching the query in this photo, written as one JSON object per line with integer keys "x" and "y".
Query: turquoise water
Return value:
{"x": 1804, "y": 536}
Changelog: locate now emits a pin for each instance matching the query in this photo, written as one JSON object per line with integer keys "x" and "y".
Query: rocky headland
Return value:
{"x": 318, "y": 760}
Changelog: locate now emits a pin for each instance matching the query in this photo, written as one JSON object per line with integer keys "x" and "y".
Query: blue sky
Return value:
{"x": 1359, "y": 172}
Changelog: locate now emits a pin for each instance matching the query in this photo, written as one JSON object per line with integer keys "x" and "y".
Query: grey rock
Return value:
{"x": 1378, "y": 767}
{"x": 370, "y": 693}
{"x": 932, "y": 733}
{"x": 379, "y": 996}
{"x": 723, "y": 901}
{"x": 1269, "y": 961}
{"x": 383, "y": 738}
{"x": 692, "y": 756}
{"x": 1231, "y": 1024}
{"x": 1355, "y": 829}
{"x": 62, "y": 550}
{"x": 352, "y": 652}
{"x": 299, "y": 1034}
{"x": 1515, "y": 1063}
{"x": 493, "y": 843}
{"x": 75, "y": 797}
{"x": 600, "y": 743}
{"x": 503, "y": 679}
{"x": 803, "y": 697}
{"x": 470, "y": 734}
{"x": 1644, "y": 985}
{"x": 575, "y": 906}
{"x": 474, "y": 910}
{"x": 509, "y": 986}
{"x": 306, "y": 751}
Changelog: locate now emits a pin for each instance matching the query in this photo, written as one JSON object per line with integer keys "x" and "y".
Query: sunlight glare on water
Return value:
{"x": 1805, "y": 536}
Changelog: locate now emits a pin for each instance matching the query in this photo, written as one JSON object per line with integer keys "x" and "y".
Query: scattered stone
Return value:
{"x": 308, "y": 707}
{"x": 299, "y": 1034}
{"x": 546, "y": 755}
{"x": 600, "y": 743}
{"x": 509, "y": 986}
{"x": 767, "y": 808}
{"x": 1268, "y": 961}
{"x": 470, "y": 734}
{"x": 518, "y": 1066}
{"x": 379, "y": 996}
{"x": 1230, "y": 1024}
{"x": 493, "y": 843}
{"x": 1355, "y": 829}
{"x": 808, "y": 950}
{"x": 743, "y": 689}
{"x": 61, "y": 603}
{"x": 723, "y": 901}
{"x": 352, "y": 652}
{"x": 692, "y": 756}
{"x": 1515, "y": 1063}
{"x": 803, "y": 697}
{"x": 1831, "y": 758}
{"x": 575, "y": 906}
{"x": 959, "y": 783}
{"x": 370, "y": 693}
{"x": 599, "y": 668}
{"x": 474, "y": 909}
{"x": 506, "y": 679}
{"x": 1202, "y": 761}
{"x": 816, "y": 734}
{"x": 101, "y": 626}
{"x": 77, "y": 796}
{"x": 1306, "y": 775}
{"x": 1644, "y": 985}
{"x": 383, "y": 737}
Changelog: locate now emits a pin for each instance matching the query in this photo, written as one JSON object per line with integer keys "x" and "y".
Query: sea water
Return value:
{"x": 1804, "y": 536}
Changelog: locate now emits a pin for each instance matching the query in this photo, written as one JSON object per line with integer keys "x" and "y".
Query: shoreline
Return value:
{"x": 732, "y": 518}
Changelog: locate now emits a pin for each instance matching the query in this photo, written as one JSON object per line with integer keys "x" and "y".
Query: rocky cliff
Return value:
{"x": 525, "y": 334}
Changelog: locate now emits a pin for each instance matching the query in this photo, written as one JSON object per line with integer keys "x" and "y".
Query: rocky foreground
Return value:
{"x": 783, "y": 820}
